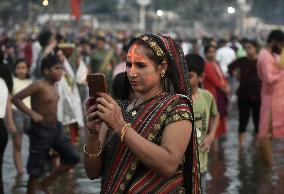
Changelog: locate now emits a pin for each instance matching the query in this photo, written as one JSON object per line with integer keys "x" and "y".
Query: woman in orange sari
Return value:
{"x": 147, "y": 143}
{"x": 216, "y": 82}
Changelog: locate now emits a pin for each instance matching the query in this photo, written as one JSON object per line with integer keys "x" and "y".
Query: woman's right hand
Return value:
{"x": 93, "y": 123}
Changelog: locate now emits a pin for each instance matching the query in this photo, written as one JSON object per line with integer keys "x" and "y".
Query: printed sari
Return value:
{"x": 123, "y": 172}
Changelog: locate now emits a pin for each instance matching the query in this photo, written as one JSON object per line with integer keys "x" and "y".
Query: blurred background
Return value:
{"x": 195, "y": 23}
{"x": 187, "y": 18}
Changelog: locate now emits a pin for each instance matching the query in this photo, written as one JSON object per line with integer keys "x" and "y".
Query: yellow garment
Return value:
{"x": 204, "y": 107}
{"x": 20, "y": 84}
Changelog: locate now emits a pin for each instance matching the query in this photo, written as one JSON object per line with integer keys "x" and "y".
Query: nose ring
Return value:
{"x": 134, "y": 75}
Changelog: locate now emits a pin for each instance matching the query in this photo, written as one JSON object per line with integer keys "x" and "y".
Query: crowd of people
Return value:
{"x": 167, "y": 104}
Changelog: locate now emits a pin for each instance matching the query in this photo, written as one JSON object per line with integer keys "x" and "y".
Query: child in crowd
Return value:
{"x": 205, "y": 113}
{"x": 45, "y": 131}
{"x": 20, "y": 121}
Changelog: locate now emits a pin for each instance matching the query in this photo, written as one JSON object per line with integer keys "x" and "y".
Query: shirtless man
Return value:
{"x": 45, "y": 131}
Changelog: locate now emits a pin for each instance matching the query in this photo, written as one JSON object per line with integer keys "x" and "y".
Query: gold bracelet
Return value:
{"x": 123, "y": 131}
{"x": 92, "y": 155}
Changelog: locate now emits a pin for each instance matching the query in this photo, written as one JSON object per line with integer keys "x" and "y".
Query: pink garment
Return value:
{"x": 272, "y": 95}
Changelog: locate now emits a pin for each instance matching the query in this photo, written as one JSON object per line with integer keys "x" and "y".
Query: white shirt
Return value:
{"x": 3, "y": 98}
{"x": 225, "y": 56}
{"x": 69, "y": 108}
{"x": 36, "y": 48}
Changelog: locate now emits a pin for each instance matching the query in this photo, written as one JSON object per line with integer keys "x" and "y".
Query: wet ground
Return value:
{"x": 231, "y": 170}
{"x": 73, "y": 183}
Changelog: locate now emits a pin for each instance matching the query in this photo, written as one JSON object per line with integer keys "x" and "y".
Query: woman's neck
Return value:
{"x": 145, "y": 96}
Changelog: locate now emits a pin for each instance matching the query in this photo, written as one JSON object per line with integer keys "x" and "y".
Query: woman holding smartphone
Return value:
{"x": 145, "y": 143}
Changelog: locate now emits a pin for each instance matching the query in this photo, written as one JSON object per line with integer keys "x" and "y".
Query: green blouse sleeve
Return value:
{"x": 178, "y": 111}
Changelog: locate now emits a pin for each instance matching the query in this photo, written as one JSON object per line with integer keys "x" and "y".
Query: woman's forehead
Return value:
{"x": 136, "y": 52}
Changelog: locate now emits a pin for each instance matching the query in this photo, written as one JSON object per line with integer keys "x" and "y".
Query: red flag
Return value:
{"x": 75, "y": 9}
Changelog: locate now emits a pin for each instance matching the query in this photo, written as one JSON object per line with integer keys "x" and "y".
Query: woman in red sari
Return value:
{"x": 216, "y": 82}
{"x": 146, "y": 143}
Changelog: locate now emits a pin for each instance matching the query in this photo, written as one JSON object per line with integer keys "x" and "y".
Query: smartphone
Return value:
{"x": 96, "y": 83}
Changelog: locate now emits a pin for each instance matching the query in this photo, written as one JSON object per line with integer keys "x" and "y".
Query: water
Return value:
{"x": 231, "y": 170}
{"x": 241, "y": 171}
{"x": 73, "y": 183}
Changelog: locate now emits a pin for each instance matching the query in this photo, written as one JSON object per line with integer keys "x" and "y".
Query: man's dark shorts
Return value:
{"x": 42, "y": 138}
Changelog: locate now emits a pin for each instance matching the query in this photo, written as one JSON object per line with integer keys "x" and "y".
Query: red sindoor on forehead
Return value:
{"x": 132, "y": 54}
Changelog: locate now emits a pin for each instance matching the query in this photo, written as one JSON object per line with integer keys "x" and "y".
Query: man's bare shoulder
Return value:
{"x": 35, "y": 86}
{"x": 40, "y": 84}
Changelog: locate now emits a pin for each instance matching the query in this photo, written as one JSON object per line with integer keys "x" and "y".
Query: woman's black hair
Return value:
{"x": 5, "y": 73}
{"x": 121, "y": 87}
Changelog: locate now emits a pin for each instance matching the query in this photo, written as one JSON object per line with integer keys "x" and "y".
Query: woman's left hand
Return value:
{"x": 109, "y": 112}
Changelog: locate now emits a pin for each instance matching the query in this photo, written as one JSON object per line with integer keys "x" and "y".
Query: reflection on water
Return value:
{"x": 75, "y": 182}
{"x": 235, "y": 170}
{"x": 231, "y": 170}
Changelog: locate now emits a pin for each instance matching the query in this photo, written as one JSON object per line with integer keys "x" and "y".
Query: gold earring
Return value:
{"x": 163, "y": 74}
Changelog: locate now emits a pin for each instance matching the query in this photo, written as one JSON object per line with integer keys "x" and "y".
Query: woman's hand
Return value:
{"x": 109, "y": 112}
{"x": 93, "y": 123}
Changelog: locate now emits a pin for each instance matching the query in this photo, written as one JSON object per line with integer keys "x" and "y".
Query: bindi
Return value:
{"x": 132, "y": 54}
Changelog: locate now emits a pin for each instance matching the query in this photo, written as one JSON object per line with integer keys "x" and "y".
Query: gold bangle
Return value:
{"x": 123, "y": 131}
{"x": 92, "y": 155}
